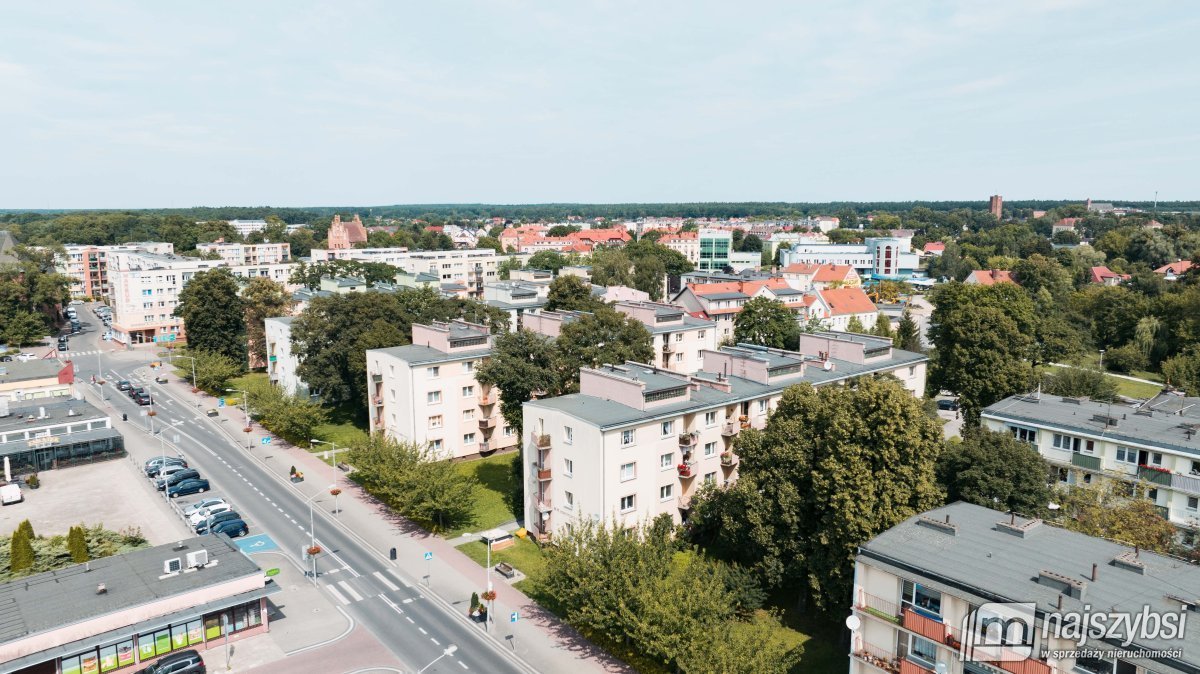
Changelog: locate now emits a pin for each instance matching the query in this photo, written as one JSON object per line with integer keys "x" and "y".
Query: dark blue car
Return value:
{"x": 231, "y": 528}
{"x": 191, "y": 485}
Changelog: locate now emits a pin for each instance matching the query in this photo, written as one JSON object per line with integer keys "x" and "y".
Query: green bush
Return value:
{"x": 1125, "y": 359}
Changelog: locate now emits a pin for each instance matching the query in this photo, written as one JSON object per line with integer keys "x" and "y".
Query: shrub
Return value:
{"x": 1125, "y": 359}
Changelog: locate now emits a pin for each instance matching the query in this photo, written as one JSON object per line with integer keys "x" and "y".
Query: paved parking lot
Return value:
{"x": 112, "y": 493}
{"x": 181, "y": 504}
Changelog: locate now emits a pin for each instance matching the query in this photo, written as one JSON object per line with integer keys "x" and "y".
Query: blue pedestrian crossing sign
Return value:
{"x": 220, "y": 402}
{"x": 428, "y": 556}
{"x": 512, "y": 617}
{"x": 266, "y": 441}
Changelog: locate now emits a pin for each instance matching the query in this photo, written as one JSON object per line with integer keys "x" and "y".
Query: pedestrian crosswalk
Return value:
{"x": 352, "y": 590}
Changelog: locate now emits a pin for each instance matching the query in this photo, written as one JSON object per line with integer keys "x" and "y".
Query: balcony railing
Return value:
{"x": 668, "y": 348}
{"x": 544, "y": 504}
{"x": 487, "y": 424}
{"x": 687, "y": 440}
{"x": 687, "y": 469}
{"x": 729, "y": 460}
{"x": 542, "y": 441}
{"x": 1085, "y": 461}
{"x": 878, "y": 607}
{"x": 729, "y": 430}
{"x": 685, "y": 502}
{"x": 1155, "y": 475}
{"x": 878, "y": 658}
{"x": 910, "y": 667}
{"x": 485, "y": 447}
{"x": 934, "y": 630}
{"x": 378, "y": 400}
{"x": 487, "y": 396}
{"x": 543, "y": 473}
{"x": 377, "y": 378}
{"x": 1187, "y": 483}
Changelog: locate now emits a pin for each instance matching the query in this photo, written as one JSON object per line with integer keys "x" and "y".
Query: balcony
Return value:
{"x": 542, "y": 441}
{"x": 379, "y": 422}
{"x": 685, "y": 503}
{"x": 377, "y": 400}
{"x": 377, "y": 378}
{"x": 878, "y": 658}
{"x": 687, "y": 470}
{"x": 910, "y": 667}
{"x": 543, "y": 504}
{"x": 878, "y": 607}
{"x": 687, "y": 440}
{"x": 729, "y": 460}
{"x": 933, "y": 630}
{"x": 487, "y": 396}
{"x": 1085, "y": 461}
{"x": 487, "y": 424}
{"x": 1156, "y": 475}
{"x": 729, "y": 430}
{"x": 1186, "y": 483}
{"x": 485, "y": 447}
{"x": 668, "y": 347}
{"x": 1163, "y": 512}
{"x": 543, "y": 474}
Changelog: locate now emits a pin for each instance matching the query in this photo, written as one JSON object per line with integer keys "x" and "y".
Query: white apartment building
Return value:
{"x": 686, "y": 244}
{"x": 282, "y": 363}
{"x": 237, "y": 254}
{"x": 471, "y": 267}
{"x": 1151, "y": 451}
{"x": 638, "y": 440}
{"x": 929, "y": 584}
{"x": 145, "y": 287}
{"x": 245, "y": 228}
{"x": 87, "y": 266}
{"x": 876, "y": 257}
{"x": 426, "y": 392}
{"x": 516, "y": 298}
{"x": 679, "y": 339}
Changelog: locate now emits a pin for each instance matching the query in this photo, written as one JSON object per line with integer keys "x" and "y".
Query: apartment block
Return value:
{"x": 638, "y": 440}
{"x": 516, "y": 298}
{"x": 282, "y": 363}
{"x": 686, "y": 244}
{"x": 239, "y": 254}
{"x": 924, "y": 590}
{"x": 245, "y": 228}
{"x": 679, "y": 339}
{"x": 471, "y": 267}
{"x": 426, "y": 392}
{"x": 145, "y": 290}
{"x": 87, "y": 266}
{"x": 1151, "y": 451}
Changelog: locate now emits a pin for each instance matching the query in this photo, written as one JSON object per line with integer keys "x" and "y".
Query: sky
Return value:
{"x": 107, "y": 104}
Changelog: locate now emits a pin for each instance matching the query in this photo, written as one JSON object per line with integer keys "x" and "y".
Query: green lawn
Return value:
{"x": 344, "y": 427}
{"x": 525, "y": 556}
{"x": 1131, "y": 389}
{"x": 496, "y": 482}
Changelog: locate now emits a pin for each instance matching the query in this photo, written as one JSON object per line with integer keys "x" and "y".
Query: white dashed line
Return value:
{"x": 409, "y": 619}
{"x": 463, "y": 664}
{"x": 349, "y": 590}
{"x": 387, "y": 583}
{"x": 435, "y": 641}
{"x": 423, "y": 630}
{"x": 338, "y": 595}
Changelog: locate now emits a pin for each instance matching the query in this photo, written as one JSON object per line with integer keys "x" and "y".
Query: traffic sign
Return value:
{"x": 220, "y": 402}
{"x": 512, "y": 617}
{"x": 428, "y": 556}
{"x": 266, "y": 441}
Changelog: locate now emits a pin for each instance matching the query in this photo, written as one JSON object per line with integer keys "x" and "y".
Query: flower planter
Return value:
{"x": 314, "y": 551}
{"x": 298, "y": 477}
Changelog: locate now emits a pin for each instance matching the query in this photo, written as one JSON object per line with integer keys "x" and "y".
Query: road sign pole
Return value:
{"x": 428, "y": 568}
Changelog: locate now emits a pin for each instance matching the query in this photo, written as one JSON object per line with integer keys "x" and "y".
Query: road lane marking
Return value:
{"x": 349, "y": 590}
{"x": 463, "y": 664}
{"x": 435, "y": 641}
{"x": 409, "y": 620}
{"x": 389, "y": 584}
{"x": 338, "y": 595}
{"x": 423, "y": 631}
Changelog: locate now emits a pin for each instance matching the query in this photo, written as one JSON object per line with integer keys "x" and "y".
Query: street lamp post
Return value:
{"x": 246, "y": 408}
{"x": 487, "y": 572}
{"x": 334, "y": 451}
{"x": 450, "y": 650}
{"x": 1102, "y": 360}
{"x": 193, "y": 359}
{"x": 312, "y": 533}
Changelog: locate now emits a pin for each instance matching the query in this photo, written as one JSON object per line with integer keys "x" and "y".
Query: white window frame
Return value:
{"x": 710, "y": 449}
{"x": 468, "y": 391}
{"x": 433, "y": 398}
{"x": 1127, "y": 455}
{"x": 628, "y": 437}
{"x": 435, "y": 421}
{"x": 568, "y": 500}
{"x": 568, "y": 467}
{"x": 666, "y": 461}
{"x": 434, "y": 372}
{"x": 469, "y": 438}
{"x": 632, "y": 503}
{"x": 669, "y": 492}
{"x": 667, "y": 428}
{"x": 568, "y": 435}
{"x": 632, "y": 474}
{"x": 710, "y": 419}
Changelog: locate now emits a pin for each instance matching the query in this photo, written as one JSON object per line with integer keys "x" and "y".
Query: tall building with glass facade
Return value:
{"x": 715, "y": 246}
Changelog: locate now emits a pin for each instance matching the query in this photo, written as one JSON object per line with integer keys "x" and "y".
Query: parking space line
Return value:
{"x": 349, "y": 590}
{"x": 387, "y": 583}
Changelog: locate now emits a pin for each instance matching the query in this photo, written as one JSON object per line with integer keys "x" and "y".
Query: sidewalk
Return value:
{"x": 543, "y": 641}
{"x": 1112, "y": 374}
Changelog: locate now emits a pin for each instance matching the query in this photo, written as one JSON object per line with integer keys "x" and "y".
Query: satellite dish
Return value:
{"x": 853, "y": 622}
{"x": 827, "y": 366}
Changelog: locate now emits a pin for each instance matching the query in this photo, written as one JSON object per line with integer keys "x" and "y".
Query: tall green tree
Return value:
{"x": 1079, "y": 382}
{"x": 604, "y": 337}
{"x": 855, "y": 325}
{"x": 908, "y": 333}
{"x": 213, "y": 370}
{"x": 611, "y": 267}
{"x": 788, "y": 517}
{"x": 521, "y": 362}
{"x": 212, "y": 312}
{"x": 997, "y": 471}
{"x": 766, "y": 322}
{"x": 262, "y": 299}
{"x": 571, "y": 293}
{"x": 649, "y": 275}
{"x": 1098, "y": 511}
{"x": 550, "y": 260}
{"x": 77, "y": 545}
{"x": 20, "y": 554}
{"x": 414, "y": 481}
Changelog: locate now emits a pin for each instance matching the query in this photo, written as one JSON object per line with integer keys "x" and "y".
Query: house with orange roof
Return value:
{"x": 1105, "y": 276}
{"x": 836, "y": 307}
{"x": 511, "y": 238}
{"x": 1064, "y": 225}
{"x": 601, "y": 237}
{"x": 934, "y": 249}
{"x": 806, "y": 275}
{"x": 989, "y": 277}
{"x": 1174, "y": 270}
{"x": 721, "y": 302}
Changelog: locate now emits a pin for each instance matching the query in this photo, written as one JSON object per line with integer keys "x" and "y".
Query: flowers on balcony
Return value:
{"x": 726, "y": 458}
{"x": 1158, "y": 469}
{"x": 684, "y": 470}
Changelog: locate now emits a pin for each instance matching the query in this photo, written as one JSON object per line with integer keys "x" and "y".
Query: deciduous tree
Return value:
{"x": 262, "y": 299}
{"x": 414, "y": 481}
{"x": 521, "y": 362}
{"x": 997, "y": 471}
{"x": 767, "y": 322}
{"x": 1079, "y": 382}
{"x": 570, "y": 293}
{"x": 212, "y": 312}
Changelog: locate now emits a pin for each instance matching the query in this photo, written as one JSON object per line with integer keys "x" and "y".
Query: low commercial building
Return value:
{"x": 1152, "y": 451}
{"x": 880, "y": 258}
{"x": 36, "y": 380}
{"x": 926, "y": 589}
{"x": 122, "y": 613}
{"x": 56, "y": 432}
{"x": 426, "y": 392}
{"x": 637, "y": 441}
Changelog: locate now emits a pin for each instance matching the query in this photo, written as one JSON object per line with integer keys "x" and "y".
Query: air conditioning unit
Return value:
{"x": 197, "y": 559}
{"x": 173, "y": 565}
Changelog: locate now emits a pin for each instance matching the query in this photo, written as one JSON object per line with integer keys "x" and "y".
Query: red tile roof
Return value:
{"x": 935, "y": 247}
{"x": 843, "y": 301}
{"x": 985, "y": 277}
{"x": 827, "y": 273}
{"x": 1100, "y": 274}
{"x": 746, "y": 287}
{"x": 1176, "y": 268}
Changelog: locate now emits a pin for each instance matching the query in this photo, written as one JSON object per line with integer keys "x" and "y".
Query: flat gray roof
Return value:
{"x": 1157, "y": 424}
{"x": 424, "y": 355}
{"x": 723, "y": 296}
{"x": 24, "y": 414}
{"x": 689, "y": 323}
{"x": 47, "y": 600}
{"x": 27, "y": 370}
{"x": 285, "y": 320}
{"x": 654, "y": 379}
{"x": 982, "y": 562}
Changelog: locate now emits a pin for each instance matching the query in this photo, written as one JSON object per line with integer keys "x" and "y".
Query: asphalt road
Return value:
{"x": 378, "y": 596}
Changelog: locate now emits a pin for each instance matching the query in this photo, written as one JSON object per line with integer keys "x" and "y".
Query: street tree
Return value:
{"x": 855, "y": 325}
{"x": 997, "y": 471}
{"x": 649, "y": 273}
{"x": 213, "y": 370}
{"x": 571, "y": 293}
{"x": 521, "y": 362}
{"x": 908, "y": 333}
{"x": 414, "y": 481}
{"x": 611, "y": 267}
{"x": 212, "y": 312}
{"x": 766, "y": 322}
{"x": 262, "y": 299}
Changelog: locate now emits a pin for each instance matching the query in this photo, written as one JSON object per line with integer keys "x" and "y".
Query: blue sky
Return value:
{"x": 148, "y": 104}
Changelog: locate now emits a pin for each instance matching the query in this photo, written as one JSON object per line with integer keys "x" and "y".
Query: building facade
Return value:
{"x": 36, "y": 379}
{"x": 924, "y": 589}
{"x": 679, "y": 339}
{"x": 426, "y": 392}
{"x": 1150, "y": 452}
{"x": 344, "y": 234}
{"x": 87, "y": 266}
{"x": 243, "y": 254}
{"x": 715, "y": 247}
{"x": 470, "y": 267}
{"x": 516, "y": 298}
{"x": 47, "y": 433}
{"x": 637, "y": 441}
{"x": 282, "y": 363}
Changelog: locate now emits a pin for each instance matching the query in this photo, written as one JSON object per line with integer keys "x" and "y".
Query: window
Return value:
{"x": 435, "y": 421}
{"x": 468, "y": 391}
{"x": 665, "y": 492}
{"x": 667, "y": 428}
{"x": 626, "y": 438}
{"x": 1024, "y": 434}
{"x": 700, "y": 334}
{"x": 710, "y": 418}
{"x": 627, "y": 503}
{"x": 433, "y": 397}
{"x": 1193, "y": 503}
{"x": 1156, "y": 458}
{"x": 1152, "y": 494}
{"x": 922, "y": 651}
{"x": 1126, "y": 455}
{"x": 710, "y": 478}
{"x": 568, "y": 467}
{"x": 679, "y": 336}
{"x": 435, "y": 445}
{"x": 1195, "y": 467}
{"x": 710, "y": 448}
{"x": 568, "y": 435}
{"x": 468, "y": 415}
{"x": 923, "y": 600}
{"x": 628, "y": 471}
{"x": 509, "y": 431}
{"x": 570, "y": 498}
{"x": 434, "y": 372}
{"x": 469, "y": 366}
{"x": 679, "y": 358}
{"x": 667, "y": 461}
{"x": 468, "y": 438}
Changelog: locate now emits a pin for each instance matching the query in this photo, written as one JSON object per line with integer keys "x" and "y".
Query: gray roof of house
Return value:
{"x": 653, "y": 378}
{"x": 723, "y": 296}
{"x": 20, "y": 413}
{"x": 872, "y": 343}
{"x": 501, "y": 304}
{"x": 981, "y": 562}
{"x": 285, "y": 320}
{"x": 608, "y": 414}
{"x": 50, "y": 599}
{"x": 424, "y": 355}
{"x": 1158, "y": 425}
{"x": 31, "y": 369}
{"x": 689, "y": 323}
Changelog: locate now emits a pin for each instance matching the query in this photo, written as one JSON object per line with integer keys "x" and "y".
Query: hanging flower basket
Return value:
{"x": 314, "y": 551}
{"x": 151, "y": 413}
{"x": 247, "y": 429}
{"x": 100, "y": 382}
{"x": 335, "y": 491}
{"x": 490, "y": 595}
{"x": 195, "y": 390}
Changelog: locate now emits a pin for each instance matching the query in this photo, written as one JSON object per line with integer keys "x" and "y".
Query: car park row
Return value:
{"x": 204, "y": 515}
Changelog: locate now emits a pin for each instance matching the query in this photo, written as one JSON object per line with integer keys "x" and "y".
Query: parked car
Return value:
{"x": 183, "y": 662}
{"x": 203, "y": 504}
{"x": 107, "y": 336}
{"x": 948, "y": 404}
{"x": 132, "y": 392}
{"x": 191, "y": 485}
{"x": 153, "y": 466}
{"x": 6, "y": 359}
{"x": 76, "y": 303}
{"x": 124, "y": 385}
{"x": 169, "y": 470}
{"x": 231, "y": 528}
{"x": 143, "y": 398}
{"x": 24, "y": 357}
{"x": 213, "y": 520}
{"x": 176, "y": 477}
{"x": 201, "y": 515}
{"x": 62, "y": 346}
